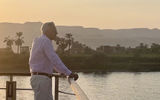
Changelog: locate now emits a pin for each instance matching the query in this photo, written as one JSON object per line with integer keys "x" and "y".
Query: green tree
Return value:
{"x": 19, "y": 41}
{"x": 9, "y": 42}
{"x": 62, "y": 45}
{"x": 69, "y": 40}
{"x": 155, "y": 48}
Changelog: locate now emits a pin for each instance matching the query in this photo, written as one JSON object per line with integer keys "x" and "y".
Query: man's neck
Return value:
{"x": 47, "y": 37}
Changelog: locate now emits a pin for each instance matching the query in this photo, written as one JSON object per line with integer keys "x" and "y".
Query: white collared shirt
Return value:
{"x": 43, "y": 57}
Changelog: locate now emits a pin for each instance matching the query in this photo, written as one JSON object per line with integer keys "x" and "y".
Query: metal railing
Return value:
{"x": 11, "y": 87}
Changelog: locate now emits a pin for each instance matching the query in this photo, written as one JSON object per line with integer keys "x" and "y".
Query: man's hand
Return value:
{"x": 74, "y": 75}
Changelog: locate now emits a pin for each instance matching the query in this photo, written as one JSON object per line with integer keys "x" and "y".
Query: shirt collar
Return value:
{"x": 43, "y": 35}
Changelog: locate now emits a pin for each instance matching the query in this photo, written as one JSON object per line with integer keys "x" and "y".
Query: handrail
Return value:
{"x": 11, "y": 75}
{"x": 80, "y": 95}
{"x": 66, "y": 93}
{"x": 27, "y": 74}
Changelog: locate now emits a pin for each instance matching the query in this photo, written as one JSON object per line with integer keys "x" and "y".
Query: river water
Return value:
{"x": 110, "y": 86}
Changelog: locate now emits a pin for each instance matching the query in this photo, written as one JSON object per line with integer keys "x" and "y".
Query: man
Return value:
{"x": 43, "y": 60}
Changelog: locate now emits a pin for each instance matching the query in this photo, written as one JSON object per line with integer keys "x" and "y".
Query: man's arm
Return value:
{"x": 54, "y": 59}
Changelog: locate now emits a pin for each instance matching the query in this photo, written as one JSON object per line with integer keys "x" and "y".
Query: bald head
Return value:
{"x": 49, "y": 29}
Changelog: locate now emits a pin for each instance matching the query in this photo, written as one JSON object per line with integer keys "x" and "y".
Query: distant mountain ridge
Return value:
{"x": 92, "y": 37}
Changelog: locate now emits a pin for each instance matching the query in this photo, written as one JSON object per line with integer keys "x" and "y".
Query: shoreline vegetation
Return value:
{"x": 97, "y": 63}
{"x": 81, "y": 58}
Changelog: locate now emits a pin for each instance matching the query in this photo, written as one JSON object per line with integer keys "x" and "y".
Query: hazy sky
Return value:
{"x": 89, "y": 13}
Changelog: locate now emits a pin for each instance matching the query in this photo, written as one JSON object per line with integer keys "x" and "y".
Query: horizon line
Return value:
{"x": 80, "y": 26}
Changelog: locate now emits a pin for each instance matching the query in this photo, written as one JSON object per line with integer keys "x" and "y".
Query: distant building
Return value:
{"x": 105, "y": 49}
{"x": 110, "y": 49}
{"x": 24, "y": 49}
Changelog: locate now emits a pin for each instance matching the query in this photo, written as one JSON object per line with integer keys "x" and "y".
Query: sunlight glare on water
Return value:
{"x": 110, "y": 86}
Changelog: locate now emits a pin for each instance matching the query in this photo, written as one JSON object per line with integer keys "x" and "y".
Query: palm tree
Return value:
{"x": 62, "y": 44}
{"x": 9, "y": 42}
{"x": 19, "y": 41}
{"x": 69, "y": 40}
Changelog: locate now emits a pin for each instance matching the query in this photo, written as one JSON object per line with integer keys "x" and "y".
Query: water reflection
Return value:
{"x": 109, "y": 86}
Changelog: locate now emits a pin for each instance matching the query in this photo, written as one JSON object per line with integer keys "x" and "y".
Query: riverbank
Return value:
{"x": 88, "y": 63}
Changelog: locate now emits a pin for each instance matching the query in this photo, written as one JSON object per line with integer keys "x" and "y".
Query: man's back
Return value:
{"x": 44, "y": 59}
{"x": 38, "y": 60}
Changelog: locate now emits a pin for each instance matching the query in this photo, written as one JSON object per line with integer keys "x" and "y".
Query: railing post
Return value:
{"x": 11, "y": 78}
{"x": 56, "y": 87}
{"x": 11, "y": 89}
